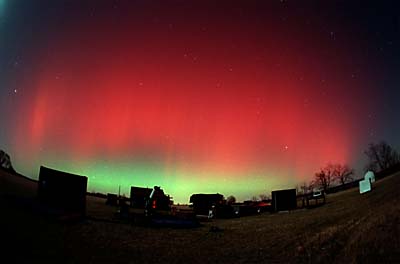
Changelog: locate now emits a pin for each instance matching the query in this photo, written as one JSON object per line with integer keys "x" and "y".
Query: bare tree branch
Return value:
{"x": 381, "y": 156}
{"x": 342, "y": 173}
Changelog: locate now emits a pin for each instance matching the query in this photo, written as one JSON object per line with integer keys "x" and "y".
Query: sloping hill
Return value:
{"x": 14, "y": 184}
{"x": 350, "y": 228}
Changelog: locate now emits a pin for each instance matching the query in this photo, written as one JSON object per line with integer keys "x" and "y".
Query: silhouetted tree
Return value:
{"x": 231, "y": 199}
{"x": 324, "y": 178}
{"x": 5, "y": 162}
{"x": 313, "y": 184}
{"x": 263, "y": 197}
{"x": 342, "y": 173}
{"x": 381, "y": 156}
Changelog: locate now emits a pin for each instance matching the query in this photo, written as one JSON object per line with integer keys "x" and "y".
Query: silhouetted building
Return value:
{"x": 311, "y": 199}
{"x": 203, "y": 203}
{"x": 62, "y": 192}
{"x": 139, "y": 196}
{"x": 284, "y": 200}
{"x": 157, "y": 201}
{"x": 251, "y": 207}
{"x": 112, "y": 199}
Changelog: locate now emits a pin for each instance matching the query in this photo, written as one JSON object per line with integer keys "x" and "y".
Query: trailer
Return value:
{"x": 62, "y": 193}
{"x": 312, "y": 199}
{"x": 251, "y": 207}
{"x": 205, "y": 204}
{"x": 139, "y": 196}
{"x": 284, "y": 200}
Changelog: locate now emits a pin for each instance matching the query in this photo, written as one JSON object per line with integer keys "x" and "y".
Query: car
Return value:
{"x": 317, "y": 193}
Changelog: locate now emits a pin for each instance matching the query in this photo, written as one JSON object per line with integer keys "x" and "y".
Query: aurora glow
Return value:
{"x": 2, "y": 7}
{"x": 240, "y": 101}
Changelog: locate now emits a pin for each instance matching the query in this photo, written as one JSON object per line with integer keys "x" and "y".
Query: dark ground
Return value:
{"x": 350, "y": 228}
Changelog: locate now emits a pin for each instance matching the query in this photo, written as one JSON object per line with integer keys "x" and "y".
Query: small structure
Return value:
{"x": 317, "y": 195}
{"x": 64, "y": 193}
{"x": 284, "y": 200}
{"x": 365, "y": 186}
{"x": 203, "y": 203}
{"x": 251, "y": 207}
{"x": 158, "y": 200}
{"x": 139, "y": 196}
{"x": 370, "y": 176}
{"x": 112, "y": 199}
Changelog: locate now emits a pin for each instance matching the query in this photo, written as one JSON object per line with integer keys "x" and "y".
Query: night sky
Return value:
{"x": 235, "y": 97}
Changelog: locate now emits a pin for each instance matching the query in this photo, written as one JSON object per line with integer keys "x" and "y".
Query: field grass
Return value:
{"x": 350, "y": 228}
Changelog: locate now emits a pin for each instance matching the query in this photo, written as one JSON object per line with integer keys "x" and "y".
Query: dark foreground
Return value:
{"x": 349, "y": 228}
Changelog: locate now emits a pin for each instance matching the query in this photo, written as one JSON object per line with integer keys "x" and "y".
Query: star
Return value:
{"x": 371, "y": 133}
{"x": 305, "y": 102}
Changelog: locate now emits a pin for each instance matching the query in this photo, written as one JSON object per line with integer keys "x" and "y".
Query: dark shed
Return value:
{"x": 202, "y": 203}
{"x": 63, "y": 192}
{"x": 139, "y": 196}
{"x": 284, "y": 200}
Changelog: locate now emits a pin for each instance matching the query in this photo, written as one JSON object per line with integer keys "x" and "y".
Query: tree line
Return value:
{"x": 381, "y": 156}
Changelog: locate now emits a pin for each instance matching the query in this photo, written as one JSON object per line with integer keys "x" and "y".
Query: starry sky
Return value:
{"x": 235, "y": 97}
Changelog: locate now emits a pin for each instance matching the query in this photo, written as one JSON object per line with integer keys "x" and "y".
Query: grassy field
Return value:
{"x": 350, "y": 228}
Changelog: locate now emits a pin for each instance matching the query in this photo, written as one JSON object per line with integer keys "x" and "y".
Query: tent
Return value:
{"x": 370, "y": 176}
{"x": 365, "y": 186}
